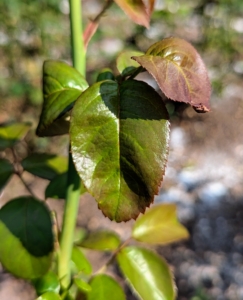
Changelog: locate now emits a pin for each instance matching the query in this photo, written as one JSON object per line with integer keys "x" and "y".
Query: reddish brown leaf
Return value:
{"x": 89, "y": 32}
{"x": 150, "y": 6}
{"x": 179, "y": 71}
{"x": 136, "y": 10}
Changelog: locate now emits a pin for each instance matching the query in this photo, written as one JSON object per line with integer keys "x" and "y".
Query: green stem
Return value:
{"x": 73, "y": 184}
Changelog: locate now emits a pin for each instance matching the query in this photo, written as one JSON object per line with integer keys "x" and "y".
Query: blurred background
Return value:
{"x": 204, "y": 176}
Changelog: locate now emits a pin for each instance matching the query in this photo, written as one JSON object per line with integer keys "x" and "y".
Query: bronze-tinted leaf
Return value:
{"x": 136, "y": 10}
{"x": 179, "y": 71}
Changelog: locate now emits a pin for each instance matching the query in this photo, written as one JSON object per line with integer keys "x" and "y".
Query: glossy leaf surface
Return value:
{"x": 46, "y": 166}
{"x": 105, "y": 287}
{"x": 104, "y": 74}
{"x": 49, "y": 296}
{"x": 147, "y": 273}
{"x": 62, "y": 85}
{"x": 119, "y": 137}
{"x": 136, "y": 10}
{"x": 6, "y": 171}
{"x": 159, "y": 226}
{"x": 81, "y": 262}
{"x": 125, "y": 64}
{"x": 12, "y": 133}
{"x": 101, "y": 240}
{"x": 26, "y": 237}
{"x": 49, "y": 282}
{"x": 179, "y": 71}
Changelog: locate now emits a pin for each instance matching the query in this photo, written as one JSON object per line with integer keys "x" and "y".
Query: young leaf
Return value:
{"x": 46, "y": 166}
{"x": 49, "y": 282}
{"x": 125, "y": 64}
{"x": 147, "y": 273}
{"x": 49, "y": 296}
{"x": 119, "y": 138}
{"x": 179, "y": 71}
{"x": 62, "y": 85}
{"x": 104, "y": 287}
{"x": 81, "y": 262}
{"x": 6, "y": 171}
{"x": 26, "y": 237}
{"x": 101, "y": 240}
{"x": 159, "y": 225}
{"x": 136, "y": 10}
{"x": 12, "y": 133}
{"x": 82, "y": 285}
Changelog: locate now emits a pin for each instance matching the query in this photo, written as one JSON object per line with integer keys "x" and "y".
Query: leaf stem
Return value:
{"x": 73, "y": 182}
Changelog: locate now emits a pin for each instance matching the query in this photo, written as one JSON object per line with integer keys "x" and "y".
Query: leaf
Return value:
{"x": 103, "y": 287}
{"x": 81, "y": 262}
{"x": 119, "y": 138}
{"x": 49, "y": 296}
{"x": 6, "y": 171}
{"x": 26, "y": 237}
{"x": 48, "y": 283}
{"x": 179, "y": 71}
{"x": 12, "y": 133}
{"x": 104, "y": 74}
{"x": 136, "y": 10}
{"x": 46, "y": 166}
{"x": 159, "y": 225}
{"x": 62, "y": 85}
{"x": 125, "y": 64}
{"x": 101, "y": 240}
{"x": 147, "y": 273}
{"x": 82, "y": 285}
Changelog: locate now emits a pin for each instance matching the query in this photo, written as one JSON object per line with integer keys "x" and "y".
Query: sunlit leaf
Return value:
{"x": 179, "y": 71}
{"x": 49, "y": 296}
{"x": 119, "y": 137}
{"x": 101, "y": 240}
{"x": 62, "y": 85}
{"x": 49, "y": 282}
{"x": 125, "y": 64}
{"x": 6, "y": 171}
{"x": 136, "y": 10}
{"x": 81, "y": 262}
{"x": 82, "y": 285}
{"x": 12, "y": 133}
{"x": 159, "y": 225}
{"x": 105, "y": 287}
{"x": 26, "y": 237}
{"x": 147, "y": 273}
{"x": 44, "y": 165}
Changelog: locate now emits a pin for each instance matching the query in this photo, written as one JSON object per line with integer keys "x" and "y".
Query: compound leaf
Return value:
{"x": 119, "y": 138}
{"x": 103, "y": 287}
{"x": 44, "y": 165}
{"x": 179, "y": 71}
{"x": 62, "y": 85}
{"x": 6, "y": 171}
{"x": 159, "y": 226}
{"x": 147, "y": 273}
{"x": 26, "y": 237}
{"x": 136, "y": 10}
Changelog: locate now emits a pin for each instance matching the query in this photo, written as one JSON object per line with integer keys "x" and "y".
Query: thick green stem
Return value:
{"x": 73, "y": 184}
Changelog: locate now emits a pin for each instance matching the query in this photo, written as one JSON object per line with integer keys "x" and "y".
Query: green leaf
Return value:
{"x": 159, "y": 225}
{"x": 82, "y": 285}
{"x": 125, "y": 64}
{"x": 81, "y": 262}
{"x": 6, "y": 171}
{"x": 46, "y": 166}
{"x": 62, "y": 85}
{"x": 147, "y": 273}
{"x": 58, "y": 186}
{"x": 101, "y": 240}
{"x": 49, "y": 282}
{"x": 12, "y": 133}
{"x": 105, "y": 287}
{"x": 26, "y": 237}
{"x": 179, "y": 71}
{"x": 104, "y": 74}
{"x": 136, "y": 10}
{"x": 119, "y": 137}
{"x": 49, "y": 296}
